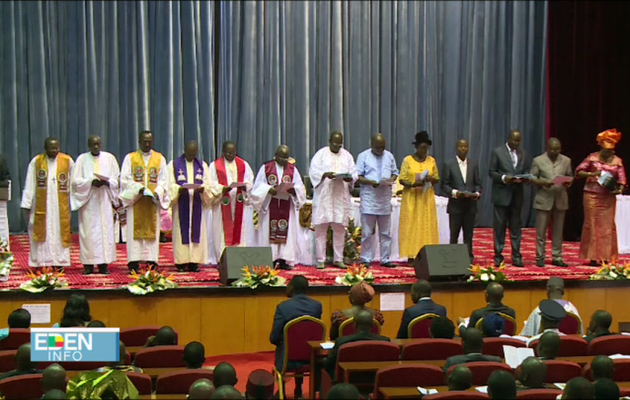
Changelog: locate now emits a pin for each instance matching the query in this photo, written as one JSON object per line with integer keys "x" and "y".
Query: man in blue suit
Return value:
{"x": 421, "y": 296}
{"x": 298, "y": 305}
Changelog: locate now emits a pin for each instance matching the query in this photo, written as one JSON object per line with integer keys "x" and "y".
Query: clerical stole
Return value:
{"x": 279, "y": 210}
{"x": 232, "y": 227}
{"x": 145, "y": 210}
{"x": 180, "y": 170}
{"x": 41, "y": 198}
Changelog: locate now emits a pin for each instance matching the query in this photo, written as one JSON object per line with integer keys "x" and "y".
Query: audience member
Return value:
{"x": 548, "y": 346}
{"x": 493, "y": 325}
{"x": 96, "y": 324}
{"x": 360, "y": 294}
{"x": 578, "y": 389}
{"x": 194, "y": 355}
{"x": 533, "y": 374}
{"x": 421, "y": 297}
{"x": 23, "y": 362}
{"x": 165, "y": 336}
{"x": 224, "y": 375}
{"x": 551, "y": 314}
{"x": 54, "y": 377}
{"x": 76, "y": 312}
{"x": 54, "y": 394}
{"x": 606, "y": 389}
{"x": 343, "y": 391}
{"x": 555, "y": 291}
{"x": 599, "y": 325}
{"x": 18, "y": 319}
{"x": 494, "y": 297}
{"x": 459, "y": 379}
{"x": 602, "y": 367}
{"x": 472, "y": 344}
{"x": 260, "y": 385}
{"x": 201, "y": 389}
{"x": 123, "y": 362}
{"x": 442, "y": 328}
{"x": 501, "y": 385}
{"x": 363, "y": 331}
{"x": 226, "y": 392}
{"x": 298, "y": 305}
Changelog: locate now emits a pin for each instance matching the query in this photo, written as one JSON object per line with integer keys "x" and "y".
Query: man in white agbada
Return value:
{"x": 46, "y": 203}
{"x": 189, "y": 204}
{"x": 278, "y": 195}
{"x": 333, "y": 173}
{"x": 231, "y": 180}
{"x": 5, "y": 185}
{"x": 143, "y": 185}
{"x": 95, "y": 194}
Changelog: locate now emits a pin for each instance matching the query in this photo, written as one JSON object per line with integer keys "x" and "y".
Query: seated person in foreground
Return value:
{"x": 602, "y": 367}
{"x": 421, "y": 297}
{"x": 360, "y": 294}
{"x": 260, "y": 385}
{"x": 122, "y": 364}
{"x": 24, "y": 365}
{"x": 343, "y": 391}
{"x": 501, "y": 385}
{"x": 201, "y": 389}
{"x": 224, "y": 375}
{"x": 533, "y": 375}
{"x": 459, "y": 379}
{"x": 96, "y": 324}
{"x": 494, "y": 297}
{"x": 493, "y": 325}
{"x": 226, "y": 392}
{"x": 555, "y": 291}
{"x": 194, "y": 355}
{"x": 76, "y": 312}
{"x": 551, "y": 315}
{"x": 442, "y": 328}
{"x": 54, "y": 377}
{"x": 363, "y": 332}
{"x": 165, "y": 336}
{"x": 18, "y": 319}
{"x": 606, "y": 389}
{"x": 578, "y": 389}
{"x": 599, "y": 325}
{"x": 548, "y": 346}
{"x": 54, "y": 394}
{"x": 472, "y": 344}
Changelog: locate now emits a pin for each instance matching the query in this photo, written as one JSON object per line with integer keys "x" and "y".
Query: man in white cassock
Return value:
{"x": 94, "y": 195}
{"x": 278, "y": 195}
{"x": 231, "y": 180}
{"x": 143, "y": 186}
{"x": 189, "y": 191}
{"x": 46, "y": 203}
{"x": 333, "y": 173}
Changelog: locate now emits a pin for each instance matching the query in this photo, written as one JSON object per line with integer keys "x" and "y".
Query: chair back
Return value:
{"x": 562, "y": 371}
{"x": 368, "y": 350}
{"x": 510, "y": 324}
{"x": 622, "y": 371}
{"x": 570, "y": 346}
{"x": 7, "y": 361}
{"x": 609, "y": 345}
{"x": 571, "y": 324}
{"x": 138, "y": 336}
{"x": 420, "y": 327}
{"x": 456, "y": 396}
{"x": 178, "y": 382}
{"x": 297, "y": 333}
{"x": 538, "y": 394}
{"x": 16, "y": 338}
{"x": 347, "y": 327}
{"x": 160, "y": 357}
{"x": 493, "y": 346}
{"x": 142, "y": 382}
{"x": 327, "y": 383}
{"x": 431, "y": 349}
{"x": 407, "y": 376}
{"x": 83, "y": 365}
{"x": 22, "y": 387}
{"x": 481, "y": 370}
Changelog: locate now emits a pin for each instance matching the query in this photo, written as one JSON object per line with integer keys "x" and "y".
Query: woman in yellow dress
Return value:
{"x": 418, "y": 217}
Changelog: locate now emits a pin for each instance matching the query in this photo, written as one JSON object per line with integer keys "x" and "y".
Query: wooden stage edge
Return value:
{"x": 238, "y": 320}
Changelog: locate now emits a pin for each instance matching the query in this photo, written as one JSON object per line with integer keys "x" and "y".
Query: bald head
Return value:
{"x": 23, "y": 358}
{"x": 548, "y": 345}
{"x": 602, "y": 367}
{"x": 54, "y": 394}
{"x": 191, "y": 150}
{"x": 201, "y": 389}
{"x": 553, "y": 148}
{"x": 378, "y": 144}
{"x": 226, "y": 392}
{"x": 165, "y": 336}
{"x": 515, "y": 139}
{"x": 578, "y": 388}
{"x": 420, "y": 289}
{"x": 224, "y": 374}
{"x": 460, "y": 378}
{"x": 283, "y": 153}
{"x": 533, "y": 373}
{"x": 335, "y": 143}
{"x": 54, "y": 377}
{"x": 343, "y": 391}
{"x": 472, "y": 341}
{"x": 494, "y": 292}
{"x": 600, "y": 322}
{"x": 363, "y": 321}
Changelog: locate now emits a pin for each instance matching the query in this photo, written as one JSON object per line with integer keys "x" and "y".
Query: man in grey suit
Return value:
{"x": 460, "y": 180}
{"x": 508, "y": 170}
{"x": 552, "y": 200}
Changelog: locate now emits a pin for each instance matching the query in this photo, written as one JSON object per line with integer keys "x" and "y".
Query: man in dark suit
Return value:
{"x": 298, "y": 305}
{"x": 421, "y": 297}
{"x": 599, "y": 325}
{"x": 461, "y": 181}
{"x": 24, "y": 365}
{"x": 363, "y": 328}
{"x": 472, "y": 344}
{"x": 508, "y": 167}
{"x": 494, "y": 298}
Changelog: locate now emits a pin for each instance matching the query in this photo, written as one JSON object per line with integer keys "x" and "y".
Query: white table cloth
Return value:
{"x": 622, "y": 220}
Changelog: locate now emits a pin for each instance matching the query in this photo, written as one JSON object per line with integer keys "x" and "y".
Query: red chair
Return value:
{"x": 327, "y": 383}
{"x": 538, "y": 394}
{"x": 609, "y": 345}
{"x": 407, "y": 376}
{"x": 347, "y": 327}
{"x": 622, "y": 371}
{"x": 22, "y": 387}
{"x": 142, "y": 382}
{"x": 457, "y": 395}
{"x": 7, "y": 361}
{"x": 481, "y": 370}
{"x": 570, "y": 346}
{"x": 562, "y": 371}
{"x": 138, "y": 335}
{"x": 431, "y": 349}
{"x": 571, "y": 324}
{"x": 178, "y": 382}
{"x": 160, "y": 357}
{"x": 297, "y": 333}
{"x": 16, "y": 338}
{"x": 370, "y": 350}
{"x": 624, "y": 392}
{"x": 420, "y": 327}
{"x": 510, "y": 324}
{"x": 493, "y": 346}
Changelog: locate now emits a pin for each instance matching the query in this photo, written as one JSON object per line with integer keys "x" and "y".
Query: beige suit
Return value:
{"x": 551, "y": 202}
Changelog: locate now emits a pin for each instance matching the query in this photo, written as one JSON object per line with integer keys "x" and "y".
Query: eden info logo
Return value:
{"x": 75, "y": 344}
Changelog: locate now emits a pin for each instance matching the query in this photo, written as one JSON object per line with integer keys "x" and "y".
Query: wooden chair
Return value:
{"x": 138, "y": 335}
{"x": 431, "y": 349}
{"x": 160, "y": 357}
{"x": 481, "y": 370}
{"x": 609, "y": 345}
{"x": 347, "y": 327}
{"x": 561, "y": 371}
{"x": 571, "y": 324}
{"x": 570, "y": 346}
{"x": 16, "y": 338}
{"x": 178, "y": 382}
{"x": 510, "y": 324}
{"x": 22, "y": 387}
{"x": 7, "y": 361}
{"x": 493, "y": 346}
{"x": 142, "y": 382}
{"x": 407, "y": 376}
{"x": 420, "y": 327}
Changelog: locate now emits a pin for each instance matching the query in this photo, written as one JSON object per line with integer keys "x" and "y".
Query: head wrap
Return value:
{"x": 362, "y": 293}
{"x": 609, "y": 138}
{"x": 493, "y": 325}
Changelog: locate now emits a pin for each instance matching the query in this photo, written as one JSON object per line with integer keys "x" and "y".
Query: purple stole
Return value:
{"x": 279, "y": 210}
{"x": 181, "y": 178}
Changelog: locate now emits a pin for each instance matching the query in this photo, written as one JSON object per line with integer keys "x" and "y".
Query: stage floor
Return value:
{"x": 209, "y": 276}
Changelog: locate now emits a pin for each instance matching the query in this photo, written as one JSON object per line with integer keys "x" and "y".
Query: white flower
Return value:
{"x": 338, "y": 280}
{"x": 493, "y": 276}
{"x": 613, "y": 274}
{"x": 470, "y": 279}
{"x": 484, "y": 277}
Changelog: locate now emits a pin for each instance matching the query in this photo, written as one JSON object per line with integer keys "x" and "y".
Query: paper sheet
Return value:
{"x": 425, "y": 392}
{"x": 147, "y": 193}
{"x": 191, "y": 186}
{"x": 392, "y": 301}
{"x": 482, "y": 389}
{"x": 561, "y": 180}
{"x": 560, "y": 386}
{"x": 514, "y": 356}
{"x": 327, "y": 345}
{"x": 422, "y": 176}
{"x": 282, "y": 190}
{"x": 40, "y": 313}
{"x": 102, "y": 177}
{"x": 619, "y": 357}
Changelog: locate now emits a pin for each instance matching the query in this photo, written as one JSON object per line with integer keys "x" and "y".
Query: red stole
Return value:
{"x": 231, "y": 227}
{"x": 279, "y": 210}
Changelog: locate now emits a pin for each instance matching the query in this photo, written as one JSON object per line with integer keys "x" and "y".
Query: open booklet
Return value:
{"x": 561, "y": 180}
{"x": 344, "y": 175}
{"x": 282, "y": 190}
{"x": 425, "y": 392}
{"x": 514, "y": 356}
{"x": 101, "y": 177}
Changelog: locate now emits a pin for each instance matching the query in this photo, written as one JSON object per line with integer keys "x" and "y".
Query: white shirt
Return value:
{"x": 463, "y": 168}
{"x": 513, "y": 154}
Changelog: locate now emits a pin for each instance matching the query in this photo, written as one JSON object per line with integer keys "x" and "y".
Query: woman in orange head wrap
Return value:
{"x": 599, "y": 233}
{"x": 359, "y": 294}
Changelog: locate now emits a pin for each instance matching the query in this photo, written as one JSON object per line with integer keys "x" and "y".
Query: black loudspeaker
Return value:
{"x": 234, "y": 259}
{"x": 442, "y": 262}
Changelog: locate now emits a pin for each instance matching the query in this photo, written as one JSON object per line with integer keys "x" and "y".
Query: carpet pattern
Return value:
{"x": 209, "y": 275}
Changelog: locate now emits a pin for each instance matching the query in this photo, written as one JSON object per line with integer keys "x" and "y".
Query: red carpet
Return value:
{"x": 209, "y": 275}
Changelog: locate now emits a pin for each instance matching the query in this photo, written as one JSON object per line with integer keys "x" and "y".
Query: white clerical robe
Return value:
{"x": 95, "y": 205}
{"x": 51, "y": 252}
{"x": 247, "y": 229}
{"x": 331, "y": 197}
{"x": 196, "y": 253}
{"x": 142, "y": 249}
{"x": 261, "y": 199}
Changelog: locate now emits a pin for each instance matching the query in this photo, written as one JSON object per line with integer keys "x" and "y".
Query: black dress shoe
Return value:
{"x": 518, "y": 263}
{"x": 193, "y": 267}
{"x": 593, "y": 263}
{"x": 133, "y": 266}
{"x": 559, "y": 263}
{"x": 540, "y": 263}
{"x": 180, "y": 267}
{"x": 387, "y": 265}
{"x": 88, "y": 269}
{"x": 102, "y": 269}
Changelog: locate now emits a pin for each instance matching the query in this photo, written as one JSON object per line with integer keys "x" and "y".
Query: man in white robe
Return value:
{"x": 143, "y": 185}
{"x": 46, "y": 203}
{"x": 190, "y": 236}
{"x": 231, "y": 180}
{"x": 94, "y": 195}
{"x": 333, "y": 173}
{"x": 5, "y": 196}
{"x": 278, "y": 209}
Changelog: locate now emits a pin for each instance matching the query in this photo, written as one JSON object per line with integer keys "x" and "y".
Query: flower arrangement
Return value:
{"x": 352, "y": 247}
{"x": 489, "y": 273}
{"x": 150, "y": 280}
{"x": 354, "y": 275}
{"x": 6, "y": 261}
{"x": 43, "y": 279}
{"x": 260, "y": 276}
{"x": 611, "y": 272}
